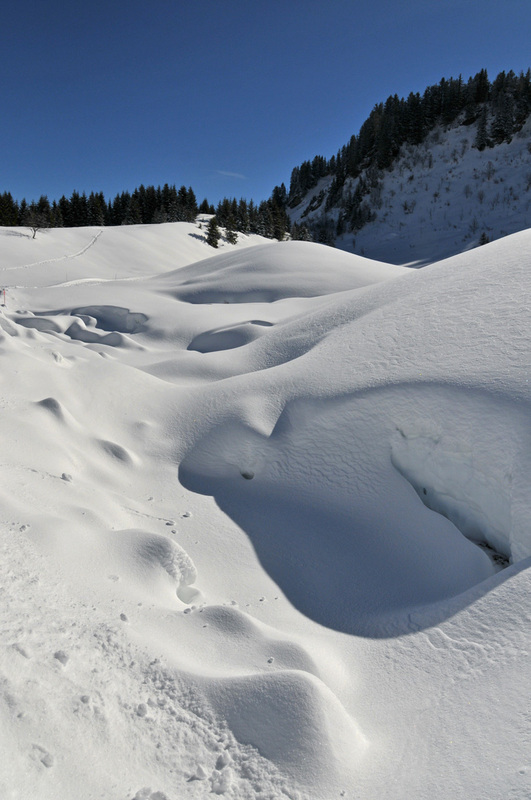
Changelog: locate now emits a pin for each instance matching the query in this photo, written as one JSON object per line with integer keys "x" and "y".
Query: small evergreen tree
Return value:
{"x": 481, "y": 139}
{"x": 243, "y": 217}
{"x": 230, "y": 229}
{"x": 8, "y": 209}
{"x": 213, "y": 234}
{"x": 56, "y": 217}
{"x": 230, "y": 235}
{"x": 133, "y": 215}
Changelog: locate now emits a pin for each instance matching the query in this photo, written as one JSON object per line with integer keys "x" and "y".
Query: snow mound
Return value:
{"x": 152, "y": 556}
{"x": 116, "y": 451}
{"x": 54, "y": 407}
{"x": 237, "y": 643}
{"x": 293, "y": 720}
{"x": 273, "y": 271}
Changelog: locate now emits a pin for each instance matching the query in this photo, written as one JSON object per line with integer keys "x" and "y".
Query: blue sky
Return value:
{"x": 224, "y": 95}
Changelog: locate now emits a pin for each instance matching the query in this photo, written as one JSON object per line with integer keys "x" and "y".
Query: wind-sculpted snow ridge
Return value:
{"x": 264, "y": 525}
{"x": 274, "y": 271}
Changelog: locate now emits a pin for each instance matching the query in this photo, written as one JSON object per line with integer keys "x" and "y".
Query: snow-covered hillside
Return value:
{"x": 439, "y": 198}
{"x": 264, "y": 528}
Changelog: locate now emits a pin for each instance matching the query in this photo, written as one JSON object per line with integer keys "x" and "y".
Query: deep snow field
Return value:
{"x": 265, "y": 520}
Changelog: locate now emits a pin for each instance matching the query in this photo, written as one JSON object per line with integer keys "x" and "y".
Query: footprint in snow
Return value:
{"x": 42, "y": 755}
{"x": 61, "y": 656}
{"x": 147, "y": 794}
{"x": 22, "y": 650}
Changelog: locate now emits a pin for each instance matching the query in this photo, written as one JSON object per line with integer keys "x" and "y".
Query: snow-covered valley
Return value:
{"x": 264, "y": 527}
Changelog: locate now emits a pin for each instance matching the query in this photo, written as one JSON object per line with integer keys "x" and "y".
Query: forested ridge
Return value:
{"x": 497, "y": 109}
{"x": 145, "y": 205}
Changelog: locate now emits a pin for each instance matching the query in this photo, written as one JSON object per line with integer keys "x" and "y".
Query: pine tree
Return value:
{"x": 21, "y": 211}
{"x": 96, "y": 209}
{"x": 149, "y": 204}
{"x": 159, "y": 216}
{"x": 265, "y": 222}
{"x": 8, "y": 209}
{"x": 79, "y": 216}
{"x": 243, "y": 221}
{"x": 56, "y": 220}
{"x": 482, "y": 86}
{"x": 191, "y": 205}
{"x": 64, "y": 209}
{"x": 133, "y": 215}
{"x": 213, "y": 233}
{"x": 481, "y": 139}
{"x": 230, "y": 234}
{"x": 501, "y": 129}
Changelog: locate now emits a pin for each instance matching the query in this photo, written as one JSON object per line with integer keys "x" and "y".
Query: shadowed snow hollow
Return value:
{"x": 332, "y": 521}
{"x": 339, "y": 498}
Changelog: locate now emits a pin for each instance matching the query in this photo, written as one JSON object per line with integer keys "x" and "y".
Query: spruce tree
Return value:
{"x": 213, "y": 234}
{"x": 133, "y": 214}
{"x": 481, "y": 139}
{"x": 8, "y": 209}
{"x": 56, "y": 217}
{"x": 230, "y": 234}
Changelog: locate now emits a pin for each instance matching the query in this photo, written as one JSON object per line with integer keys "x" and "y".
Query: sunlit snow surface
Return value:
{"x": 264, "y": 527}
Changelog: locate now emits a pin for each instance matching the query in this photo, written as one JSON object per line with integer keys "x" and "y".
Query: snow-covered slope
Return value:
{"x": 264, "y": 522}
{"x": 438, "y": 199}
{"x": 60, "y": 255}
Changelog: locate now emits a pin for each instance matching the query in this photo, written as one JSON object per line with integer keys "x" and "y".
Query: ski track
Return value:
{"x": 57, "y": 260}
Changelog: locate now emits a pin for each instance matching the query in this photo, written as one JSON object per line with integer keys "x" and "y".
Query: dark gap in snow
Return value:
{"x": 499, "y": 559}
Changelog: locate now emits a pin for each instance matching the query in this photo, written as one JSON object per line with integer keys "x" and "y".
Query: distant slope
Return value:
{"x": 436, "y": 191}
{"x": 59, "y": 255}
{"x": 440, "y": 198}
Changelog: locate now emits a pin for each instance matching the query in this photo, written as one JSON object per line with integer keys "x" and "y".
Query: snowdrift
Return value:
{"x": 264, "y": 522}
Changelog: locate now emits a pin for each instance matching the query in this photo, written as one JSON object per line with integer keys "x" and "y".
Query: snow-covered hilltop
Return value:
{"x": 264, "y": 523}
{"x": 409, "y": 190}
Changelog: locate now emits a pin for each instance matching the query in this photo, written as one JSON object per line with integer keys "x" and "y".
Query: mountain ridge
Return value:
{"x": 411, "y": 162}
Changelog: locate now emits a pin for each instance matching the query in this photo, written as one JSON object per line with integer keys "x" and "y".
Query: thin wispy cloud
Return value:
{"x": 228, "y": 174}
